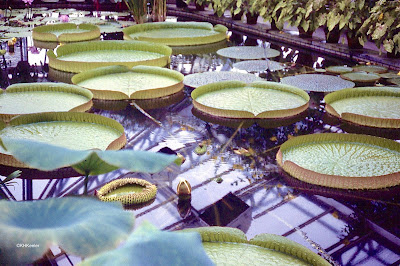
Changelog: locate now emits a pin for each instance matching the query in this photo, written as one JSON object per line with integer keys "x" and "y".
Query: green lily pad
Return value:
{"x": 361, "y": 78}
{"x": 317, "y": 82}
{"x": 346, "y": 161}
{"x": 229, "y": 246}
{"x": 248, "y": 52}
{"x": 65, "y": 32}
{"x": 395, "y": 81}
{"x": 120, "y": 82}
{"x": 367, "y": 106}
{"x": 78, "y": 131}
{"x": 78, "y": 229}
{"x": 390, "y": 75}
{"x": 177, "y": 33}
{"x": 27, "y": 98}
{"x": 339, "y": 69}
{"x": 370, "y": 69}
{"x": 259, "y": 65}
{"x": 204, "y": 78}
{"x": 82, "y": 56}
{"x": 172, "y": 248}
{"x": 236, "y": 99}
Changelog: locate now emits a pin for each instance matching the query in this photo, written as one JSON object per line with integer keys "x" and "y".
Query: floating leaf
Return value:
{"x": 347, "y": 161}
{"x": 371, "y": 69}
{"x": 248, "y": 52}
{"x": 177, "y": 33}
{"x": 317, "y": 82}
{"x": 361, "y": 78}
{"x": 338, "y": 69}
{"x": 199, "y": 79}
{"x": 259, "y": 65}
{"x": 172, "y": 248}
{"x": 66, "y": 32}
{"x": 78, "y": 229}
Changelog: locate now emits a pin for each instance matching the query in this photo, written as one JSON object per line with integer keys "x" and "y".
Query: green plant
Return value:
{"x": 383, "y": 25}
{"x": 307, "y": 15}
{"x": 138, "y": 8}
{"x": 348, "y": 15}
{"x": 268, "y": 11}
{"x": 7, "y": 182}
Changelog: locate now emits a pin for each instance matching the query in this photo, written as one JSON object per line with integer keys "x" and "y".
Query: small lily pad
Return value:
{"x": 370, "y": 69}
{"x": 200, "y": 79}
{"x": 128, "y": 191}
{"x": 248, "y": 52}
{"x": 339, "y": 69}
{"x": 259, "y": 65}
{"x": 346, "y": 161}
{"x": 317, "y": 82}
{"x": 361, "y": 78}
{"x": 121, "y": 82}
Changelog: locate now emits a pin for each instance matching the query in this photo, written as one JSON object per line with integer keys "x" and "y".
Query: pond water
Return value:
{"x": 236, "y": 181}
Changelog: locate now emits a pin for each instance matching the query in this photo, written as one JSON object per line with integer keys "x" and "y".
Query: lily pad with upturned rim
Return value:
{"x": 128, "y": 191}
{"x": 204, "y": 78}
{"x": 121, "y": 82}
{"x": 27, "y": 98}
{"x": 177, "y": 33}
{"x": 345, "y": 161}
{"x": 248, "y": 52}
{"x": 229, "y": 246}
{"x": 338, "y": 69}
{"x": 78, "y": 229}
{"x": 78, "y": 131}
{"x": 235, "y": 99}
{"x": 370, "y": 69}
{"x": 361, "y": 78}
{"x": 367, "y": 106}
{"x": 82, "y": 56}
{"x": 317, "y": 82}
{"x": 65, "y": 32}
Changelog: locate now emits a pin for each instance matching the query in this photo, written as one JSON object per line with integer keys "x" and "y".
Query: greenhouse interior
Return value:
{"x": 200, "y": 132}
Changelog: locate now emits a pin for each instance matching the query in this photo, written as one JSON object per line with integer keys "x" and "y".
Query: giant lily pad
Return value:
{"x": 248, "y": 52}
{"x": 259, "y": 65}
{"x": 120, "y": 82}
{"x": 65, "y": 32}
{"x": 261, "y": 100}
{"x": 78, "y": 131}
{"x": 361, "y": 78}
{"x": 48, "y": 157}
{"x": 177, "y": 33}
{"x": 204, "y": 78}
{"x": 317, "y": 82}
{"x": 128, "y": 191}
{"x": 346, "y": 161}
{"x": 229, "y": 246}
{"x": 27, "y": 98}
{"x": 78, "y": 57}
{"x": 371, "y": 69}
{"x": 77, "y": 225}
{"x": 367, "y": 106}
{"x": 338, "y": 69}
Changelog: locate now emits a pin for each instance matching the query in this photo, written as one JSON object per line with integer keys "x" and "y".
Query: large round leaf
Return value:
{"x": 347, "y": 161}
{"x": 259, "y": 65}
{"x": 204, "y": 78}
{"x": 236, "y": 99}
{"x": 317, "y": 82}
{"x": 229, "y": 246}
{"x": 149, "y": 246}
{"x": 78, "y": 57}
{"x": 120, "y": 82}
{"x": 361, "y": 78}
{"x": 80, "y": 226}
{"x": 27, "y": 98}
{"x": 368, "y": 106}
{"x": 248, "y": 52}
{"x": 177, "y": 33}
{"x": 77, "y": 131}
{"x": 65, "y": 32}
{"x": 371, "y": 68}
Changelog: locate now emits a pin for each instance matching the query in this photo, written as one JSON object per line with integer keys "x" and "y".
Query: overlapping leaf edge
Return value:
{"x": 216, "y": 86}
{"x": 268, "y": 241}
{"x": 117, "y": 144}
{"x": 177, "y": 41}
{"x": 362, "y": 119}
{"x": 44, "y": 33}
{"x": 79, "y": 66}
{"x": 52, "y": 87}
{"x": 336, "y": 181}
{"x": 148, "y": 193}
{"x": 142, "y": 94}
